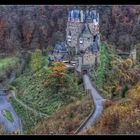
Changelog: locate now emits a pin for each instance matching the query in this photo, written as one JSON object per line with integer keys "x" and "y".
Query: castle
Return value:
{"x": 82, "y": 35}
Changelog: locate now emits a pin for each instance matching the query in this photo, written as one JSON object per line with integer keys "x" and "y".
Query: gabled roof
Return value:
{"x": 86, "y": 30}
{"x": 93, "y": 48}
{"x": 60, "y": 47}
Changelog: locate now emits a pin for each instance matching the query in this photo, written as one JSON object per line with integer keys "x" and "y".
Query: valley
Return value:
{"x": 69, "y": 70}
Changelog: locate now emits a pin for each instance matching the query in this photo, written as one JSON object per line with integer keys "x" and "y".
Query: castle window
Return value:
{"x": 69, "y": 33}
{"x": 69, "y": 40}
{"x": 81, "y": 41}
{"x": 69, "y": 36}
{"x": 88, "y": 38}
{"x": 94, "y": 38}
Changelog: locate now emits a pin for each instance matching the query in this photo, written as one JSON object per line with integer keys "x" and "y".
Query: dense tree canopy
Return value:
{"x": 28, "y": 27}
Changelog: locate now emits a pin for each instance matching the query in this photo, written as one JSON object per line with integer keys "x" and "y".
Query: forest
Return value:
{"x": 50, "y": 98}
{"x": 20, "y": 29}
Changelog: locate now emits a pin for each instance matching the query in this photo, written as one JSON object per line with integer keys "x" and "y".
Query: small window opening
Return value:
{"x": 69, "y": 33}
{"x": 94, "y": 37}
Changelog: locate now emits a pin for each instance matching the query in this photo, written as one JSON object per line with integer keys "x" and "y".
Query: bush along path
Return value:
{"x": 98, "y": 101}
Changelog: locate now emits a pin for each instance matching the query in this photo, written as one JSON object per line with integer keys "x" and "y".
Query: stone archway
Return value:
{"x": 84, "y": 71}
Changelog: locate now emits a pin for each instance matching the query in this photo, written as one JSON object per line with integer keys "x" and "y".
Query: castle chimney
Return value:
{"x": 98, "y": 17}
{"x": 81, "y": 16}
{"x": 69, "y": 16}
{"x": 72, "y": 16}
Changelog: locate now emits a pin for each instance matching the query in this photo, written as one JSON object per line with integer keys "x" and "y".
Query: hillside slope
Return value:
{"x": 121, "y": 117}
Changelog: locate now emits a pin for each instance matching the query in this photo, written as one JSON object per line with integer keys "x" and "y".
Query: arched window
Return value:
{"x": 94, "y": 37}
{"x": 69, "y": 36}
{"x": 69, "y": 33}
{"x": 81, "y": 41}
{"x": 88, "y": 38}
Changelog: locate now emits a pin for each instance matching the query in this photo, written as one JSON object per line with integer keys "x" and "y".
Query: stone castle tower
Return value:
{"x": 82, "y": 33}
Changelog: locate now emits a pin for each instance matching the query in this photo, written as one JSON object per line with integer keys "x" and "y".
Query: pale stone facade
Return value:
{"x": 91, "y": 58}
{"x": 72, "y": 33}
{"x": 82, "y": 32}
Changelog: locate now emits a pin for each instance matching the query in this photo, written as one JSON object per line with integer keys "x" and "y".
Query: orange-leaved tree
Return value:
{"x": 57, "y": 76}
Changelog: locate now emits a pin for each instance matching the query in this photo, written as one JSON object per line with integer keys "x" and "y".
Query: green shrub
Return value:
{"x": 6, "y": 66}
{"x": 8, "y": 115}
{"x": 36, "y": 60}
{"x": 113, "y": 91}
{"x": 124, "y": 90}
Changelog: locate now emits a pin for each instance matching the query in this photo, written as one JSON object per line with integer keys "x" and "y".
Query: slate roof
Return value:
{"x": 93, "y": 48}
{"x": 60, "y": 48}
{"x": 86, "y": 30}
{"x": 88, "y": 15}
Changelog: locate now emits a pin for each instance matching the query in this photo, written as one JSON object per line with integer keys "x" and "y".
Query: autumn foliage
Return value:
{"x": 120, "y": 73}
{"x": 58, "y": 72}
{"x": 121, "y": 117}
{"x": 67, "y": 119}
{"x": 36, "y": 60}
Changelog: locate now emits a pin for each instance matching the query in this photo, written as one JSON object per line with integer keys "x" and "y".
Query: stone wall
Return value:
{"x": 75, "y": 30}
{"x": 88, "y": 59}
{"x": 91, "y": 59}
{"x": 87, "y": 42}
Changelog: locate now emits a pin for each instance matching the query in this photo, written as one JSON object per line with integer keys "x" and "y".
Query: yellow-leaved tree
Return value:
{"x": 58, "y": 71}
{"x": 36, "y": 60}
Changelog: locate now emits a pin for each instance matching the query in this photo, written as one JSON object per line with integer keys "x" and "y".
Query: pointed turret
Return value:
{"x": 94, "y": 14}
{"x": 77, "y": 15}
{"x": 72, "y": 16}
{"x": 95, "y": 23}
{"x": 98, "y": 17}
{"x": 69, "y": 16}
{"x": 88, "y": 16}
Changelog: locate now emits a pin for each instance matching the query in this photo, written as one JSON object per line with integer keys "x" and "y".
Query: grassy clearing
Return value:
{"x": 31, "y": 91}
{"x": 28, "y": 118}
{"x": 8, "y": 115}
{"x": 6, "y": 64}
